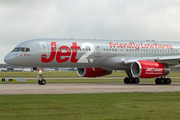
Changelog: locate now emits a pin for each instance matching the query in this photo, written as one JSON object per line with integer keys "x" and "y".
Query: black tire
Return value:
{"x": 157, "y": 81}
{"x": 136, "y": 80}
{"x": 162, "y": 81}
{"x": 131, "y": 80}
{"x": 43, "y": 82}
{"x": 126, "y": 80}
{"x": 168, "y": 81}
{"x": 39, "y": 82}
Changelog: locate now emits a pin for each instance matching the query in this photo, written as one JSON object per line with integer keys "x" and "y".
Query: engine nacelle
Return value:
{"x": 149, "y": 69}
{"x": 93, "y": 72}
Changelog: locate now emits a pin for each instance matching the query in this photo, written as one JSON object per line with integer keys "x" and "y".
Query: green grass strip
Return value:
{"x": 68, "y": 74}
{"x": 109, "y": 106}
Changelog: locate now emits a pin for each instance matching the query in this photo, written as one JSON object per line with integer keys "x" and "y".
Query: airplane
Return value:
{"x": 95, "y": 58}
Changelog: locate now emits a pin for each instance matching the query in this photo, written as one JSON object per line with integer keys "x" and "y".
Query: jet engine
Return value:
{"x": 93, "y": 72}
{"x": 149, "y": 69}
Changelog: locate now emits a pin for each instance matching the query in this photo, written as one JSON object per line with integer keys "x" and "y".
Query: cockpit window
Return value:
{"x": 22, "y": 49}
{"x": 16, "y": 49}
{"x": 27, "y": 50}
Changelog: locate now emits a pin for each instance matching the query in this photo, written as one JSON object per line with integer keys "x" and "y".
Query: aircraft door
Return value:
{"x": 44, "y": 49}
{"x": 98, "y": 52}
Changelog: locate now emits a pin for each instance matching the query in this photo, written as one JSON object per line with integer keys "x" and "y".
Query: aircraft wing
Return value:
{"x": 170, "y": 60}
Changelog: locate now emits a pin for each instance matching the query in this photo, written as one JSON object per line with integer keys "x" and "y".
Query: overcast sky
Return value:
{"x": 22, "y": 20}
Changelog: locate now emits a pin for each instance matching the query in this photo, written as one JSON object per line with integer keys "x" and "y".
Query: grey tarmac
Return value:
{"x": 76, "y": 88}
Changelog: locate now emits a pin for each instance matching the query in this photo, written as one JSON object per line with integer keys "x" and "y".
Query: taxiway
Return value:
{"x": 75, "y": 88}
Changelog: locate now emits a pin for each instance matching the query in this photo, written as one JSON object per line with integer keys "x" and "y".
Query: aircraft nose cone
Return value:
{"x": 9, "y": 59}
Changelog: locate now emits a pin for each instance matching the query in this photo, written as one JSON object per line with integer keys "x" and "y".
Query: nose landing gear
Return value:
{"x": 41, "y": 81}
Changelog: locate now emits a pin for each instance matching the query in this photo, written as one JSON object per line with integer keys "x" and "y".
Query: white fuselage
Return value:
{"x": 106, "y": 54}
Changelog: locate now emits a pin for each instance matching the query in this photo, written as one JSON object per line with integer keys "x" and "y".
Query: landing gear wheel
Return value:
{"x": 136, "y": 80}
{"x": 163, "y": 81}
{"x": 131, "y": 80}
{"x": 39, "y": 82}
{"x": 126, "y": 80}
{"x": 168, "y": 81}
{"x": 42, "y": 82}
{"x": 157, "y": 81}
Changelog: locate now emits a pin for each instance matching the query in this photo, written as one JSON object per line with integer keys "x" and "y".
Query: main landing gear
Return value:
{"x": 41, "y": 81}
{"x": 131, "y": 80}
{"x": 163, "y": 81}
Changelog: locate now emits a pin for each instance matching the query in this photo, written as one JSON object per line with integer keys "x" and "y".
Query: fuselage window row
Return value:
{"x": 142, "y": 50}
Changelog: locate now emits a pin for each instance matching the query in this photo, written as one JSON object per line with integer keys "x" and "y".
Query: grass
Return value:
{"x": 74, "y": 74}
{"x": 69, "y": 74}
{"x": 109, "y": 106}
{"x": 34, "y": 74}
{"x": 106, "y": 106}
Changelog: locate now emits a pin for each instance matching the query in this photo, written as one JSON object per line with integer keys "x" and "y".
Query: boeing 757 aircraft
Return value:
{"x": 95, "y": 58}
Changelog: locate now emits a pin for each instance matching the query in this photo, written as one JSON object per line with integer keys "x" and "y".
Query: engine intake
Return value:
{"x": 93, "y": 72}
{"x": 149, "y": 69}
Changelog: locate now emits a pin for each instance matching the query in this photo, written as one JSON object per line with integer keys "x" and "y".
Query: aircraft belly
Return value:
{"x": 114, "y": 63}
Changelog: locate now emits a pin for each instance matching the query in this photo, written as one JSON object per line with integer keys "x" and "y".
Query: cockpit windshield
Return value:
{"x": 22, "y": 49}
{"x": 16, "y": 49}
